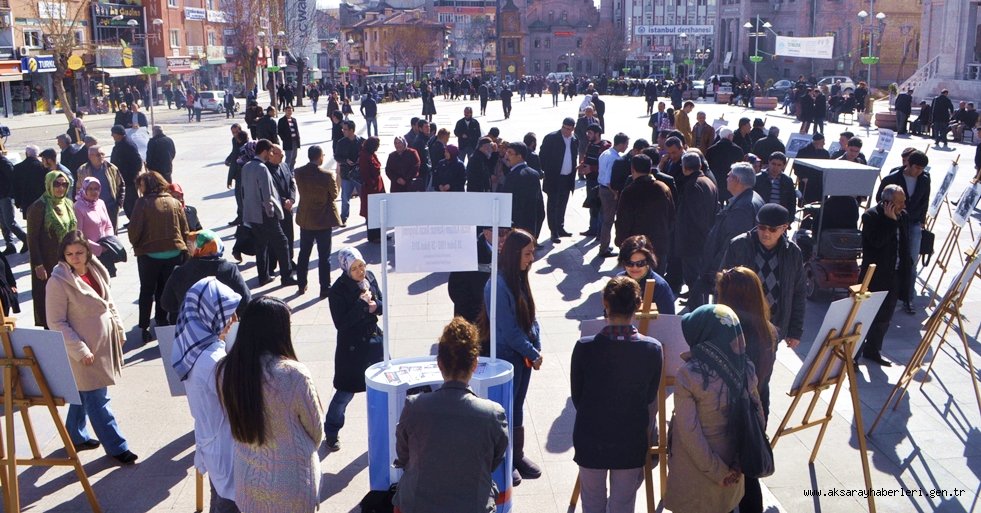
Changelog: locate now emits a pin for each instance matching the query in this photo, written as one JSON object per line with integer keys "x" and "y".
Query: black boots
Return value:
{"x": 523, "y": 467}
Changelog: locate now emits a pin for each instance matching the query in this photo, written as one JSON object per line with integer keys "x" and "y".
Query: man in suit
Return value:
{"x": 942, "y": 108}
{"x": 262, "y": 211}
{"x": 289, "y": 132}
{"x": 506, "y": 100}
{"x": 160, "y": 153}
{"x": 283, "y": 180}
{"x": 904, "y": 107}
{"x": 126, "y": 157}
{"x": 316, "y": 216}
{"x": 467, "y": 132}
{"x": 524, "y": 184}
{"x": 28, "y": 179}
{"x": 558, "y": 156}
{"x": 702, "y": 133}
{"x": 266, "y": 127}
{"x": 484, "y": 94}
{"x": 449, "y": 442}
{"x": 915, "y": 183}
{"x": 885, "y": 242}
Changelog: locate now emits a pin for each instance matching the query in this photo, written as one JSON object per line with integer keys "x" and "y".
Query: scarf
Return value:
{"x": 710, "y": 332}
{"x": 207, "y": 308}
{"x": 80, "y": 197}
{"x": 59, "y": 215}
{"x": 207, "y": 244}
{"x": 347, "y": 257}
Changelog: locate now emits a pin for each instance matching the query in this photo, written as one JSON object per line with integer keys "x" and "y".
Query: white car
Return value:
{"x": 214, "y": 101}
{"x": 847, "y": 85}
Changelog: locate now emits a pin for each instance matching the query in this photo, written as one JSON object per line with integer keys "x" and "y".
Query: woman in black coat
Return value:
{"x": 8, "y": 287}
{"x": 355, "y": 305}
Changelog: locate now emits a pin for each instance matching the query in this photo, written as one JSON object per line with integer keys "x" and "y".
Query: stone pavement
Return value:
{"x": 931, "y": 443}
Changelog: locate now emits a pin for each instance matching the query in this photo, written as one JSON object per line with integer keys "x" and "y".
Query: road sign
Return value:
{"x": 272, "y": 69}
{"x": 344, "y": 69}
{"x": 755, "y": 58}
{"x": 149, "y": 70}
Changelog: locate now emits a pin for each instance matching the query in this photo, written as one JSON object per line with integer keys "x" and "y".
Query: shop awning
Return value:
{"x": 120, "y": 72}
{"x": 216, "y": 61}
{"x": 11, "y": 78}
{"x": 180, "y": 70}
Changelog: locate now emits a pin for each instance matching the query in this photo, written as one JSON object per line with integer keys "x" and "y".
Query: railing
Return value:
{"x": 926, "y": 72}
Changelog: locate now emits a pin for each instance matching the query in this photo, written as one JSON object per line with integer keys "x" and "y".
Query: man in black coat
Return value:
{"x": 8, "y": 222}
{"x": 288, "y": 131}
{"x": 741, "y": 137}
{"x": 885, "y": 242}
{"x": 814, "y": 149}
{"x": 283, "y": 180}
{"x": 481, "y": 165}
{"x": 28, "y": 179}
{"x": 646, "y": 207}
{"x": 234, "y": 178}
{"x": 266, "y": 127}
{"x": 72, "y": 157}
{"x": 420, "y": 144}
{"x": 697, "y": 204}
{"x": 774, "y": 186}
{"x": 768, "y": 145}
{"x": 559, "y": 158}
{"x": 122, "y": 117}
{"x": 904, "y": 107}
{"x": 466, "y": 288}
{"x": 942, "y": 108}
{"x": 160, "y": 153}
{"x": 135, "y": 118}
{"x": 467, "y": 132}
{"x": 600, "y": 107}
{"x": 484, "y": 94}
{"x": 506, "y": 100}
{"x": 917, "y": 204}
{"x": 524, "y": 184}
{"x": 722, "y": 155}
{"x": 126, "y": 157}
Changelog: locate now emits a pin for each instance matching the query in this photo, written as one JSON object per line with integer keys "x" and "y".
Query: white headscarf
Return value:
{"x": 347, "y": 257}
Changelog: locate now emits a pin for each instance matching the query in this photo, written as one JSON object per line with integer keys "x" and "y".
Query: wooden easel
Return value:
{"x": 648, "y": 311}
{"x": 946, "y": 315}
{"x": 13, "y": 400}
{"x": 839, "y": 345}
{"x": 950, "y": 247}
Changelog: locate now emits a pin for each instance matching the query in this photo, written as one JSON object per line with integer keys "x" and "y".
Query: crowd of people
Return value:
{"x": 703, "y": 213}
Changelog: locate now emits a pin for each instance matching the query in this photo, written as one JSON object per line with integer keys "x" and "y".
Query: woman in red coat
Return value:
{"x": 402, "y": 166}
{"x": 371, "y": 180}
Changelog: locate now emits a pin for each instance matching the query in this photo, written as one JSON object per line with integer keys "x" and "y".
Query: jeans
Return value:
{"x": 624, "y": 484}
{"x": 8, "y": 222}
{"x": 323, "y": 240}
{"x": 940, "y": 132}
{"x": 269, "y": 236}
{"x": 347, "y": 188}
{"x": 220, "y": 504}
{"x": 371, "y": 122}
{"x": 819, "y": 126}
{"x": 335, "y": 414}
{"x": 915, "y": 236}
{"x": 95, "y": 406}
{"x": 154, "y": 273}
{"x": 291, "y": 156}
{"x": 901, "y": 118}
{"x": 555, "y": 99}
{"x": 314, "y": 102}
{"x": 522, "y": 377}
{"x": 608, "y": 205}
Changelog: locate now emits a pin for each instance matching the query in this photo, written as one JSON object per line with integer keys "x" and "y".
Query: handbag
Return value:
{"x": 352, "y": 173}
{"x": 927, "y": 238}
{"x": 113, "y": 249}
{"x": 379, "y": 501}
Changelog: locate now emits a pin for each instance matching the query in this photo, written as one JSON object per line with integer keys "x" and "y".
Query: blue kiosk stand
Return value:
{"x": 390, "y": 381}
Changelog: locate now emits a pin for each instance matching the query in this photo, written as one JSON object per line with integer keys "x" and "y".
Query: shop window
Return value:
{"x": 538, "y": 66}
{"x": 578, "y": 43}
{"x": 212, "y": 39}
{"x": 175, "y": 38}
{"x": 79, "y": 37}
{"x": 548, "y": 65}
{"x": 33, "y": 38}
{"x": 172, "y": 3}
{"x": 538, "y": 43}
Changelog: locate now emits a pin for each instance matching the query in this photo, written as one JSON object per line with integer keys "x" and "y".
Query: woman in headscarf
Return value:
{"x": 49, "y": 219}
{"x": 207, "y": 252}
{"x": 355, "y": 305}
{"x": 451, "y": 174}
{"x": 205, "y": 319}
{"x": 371, "y": 181}
{"x": 190, "y": 212}
{"x": 93, "y": 218}
{"x": 79, "y": 305}
{"x": 704, "y": 436}
{"x": 402, "y": 166}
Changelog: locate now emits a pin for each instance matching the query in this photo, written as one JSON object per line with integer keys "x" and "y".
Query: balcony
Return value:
{"x": 196, "y": 52}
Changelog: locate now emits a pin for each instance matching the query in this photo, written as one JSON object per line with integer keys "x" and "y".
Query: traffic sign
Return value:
{"x": 272, "y": 69}
{"x": 149, "y": 70}
{"x": 343, "y": 69}
{"x": 755, "y": 58}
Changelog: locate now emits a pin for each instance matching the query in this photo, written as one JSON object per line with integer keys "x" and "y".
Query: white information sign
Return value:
{"x": 426, "y": 249}
{"x": 965, "y": 206}
{"x": 886, "y": 138}
{"x": 719, "y": 123}
{"x": 813, "y": 47}
{"x": 878, "y": 158}
{"x": 674, "y": 30}
{"x": 797, "y": 142}
{"x": 941, "y": 194}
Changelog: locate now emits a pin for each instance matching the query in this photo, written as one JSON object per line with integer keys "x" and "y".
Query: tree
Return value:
{"x": 59, "y": 21}
{"x": 476, "y": 35}
{"x": 245, "y": 18}
{"x": 396, "y": 51}
{"x": 607, "y": 45}
{"x": 419, "y": 48}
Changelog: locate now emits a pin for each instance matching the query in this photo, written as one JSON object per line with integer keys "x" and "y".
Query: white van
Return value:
{"x": 559, "y": 76}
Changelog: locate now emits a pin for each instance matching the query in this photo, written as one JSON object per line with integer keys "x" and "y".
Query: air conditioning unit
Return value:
{"x": 23, "y": 51}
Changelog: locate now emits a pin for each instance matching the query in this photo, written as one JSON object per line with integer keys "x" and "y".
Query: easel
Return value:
{"x": 947, "y": 313}
{"x": 839, "y": 345}
{"x": 13, "y": 400}
{"x": 648, "y": 311}
{"x": 950, "y": 246}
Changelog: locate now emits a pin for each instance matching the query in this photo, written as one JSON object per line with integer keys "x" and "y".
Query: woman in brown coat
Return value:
{"x": 49, "y": 219}
{"x": 402, "y": 166}
{"x": 157, "y": 231}
{"x": 80, "y": 306}
{"x": 371, "y": 181}
{"x": 316, "y": 217}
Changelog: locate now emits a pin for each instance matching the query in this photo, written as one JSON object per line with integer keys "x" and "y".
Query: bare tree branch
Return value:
{"x": 607, "y": 45}
{"x": 59, "y": 21}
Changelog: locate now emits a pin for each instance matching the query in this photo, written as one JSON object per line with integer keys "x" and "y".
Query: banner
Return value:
{"x": 674, "y": 30}
{"x": 810, "y": 47}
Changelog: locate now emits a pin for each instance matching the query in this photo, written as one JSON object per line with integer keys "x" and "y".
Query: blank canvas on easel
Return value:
{"x": 666, "y": 329}
{"x": 49, "y": 349}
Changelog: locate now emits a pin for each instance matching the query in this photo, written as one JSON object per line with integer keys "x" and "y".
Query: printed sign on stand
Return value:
{"x": 426, "y": 249}
{"x": 886, "y": 138}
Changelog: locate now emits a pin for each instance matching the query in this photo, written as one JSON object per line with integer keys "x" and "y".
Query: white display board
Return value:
{"x": 878, "y": 158}
{"x": 666, "y": 329}
{"x": 942, "y": 190}
{"x": 834, "y": 318}
{"x": 796, "y": 143}
{"x": 431, "y": 249}
{"x": 52, "y": 356}
{"x": 886, "y": 139}
{"x": 820, "y": 47}
{"x": 965, "y": 206}
{"x": 719, "y": 123}
{"x": 165, "y": 341}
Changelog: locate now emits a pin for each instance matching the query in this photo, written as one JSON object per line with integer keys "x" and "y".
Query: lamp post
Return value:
{"x": 871, "y": 59}
{"x": 148, "y": 69}
{"x": 684, "y": 43}
{"x": 756, "y": 35}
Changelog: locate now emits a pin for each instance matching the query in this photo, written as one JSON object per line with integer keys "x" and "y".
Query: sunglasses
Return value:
{"x": 635, "y": 263}
{"x": 770, "y": 229}
{"x": 63, "y": 185}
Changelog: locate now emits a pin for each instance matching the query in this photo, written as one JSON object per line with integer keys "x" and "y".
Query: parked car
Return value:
{"x": 559, "y": 75}
{"x": 780, "y": 88}
{"x": 724, "y": 81}
{"x": 699, "y": 87}
{"x": 214, "y": 101}
{"x": 847, "y": 85}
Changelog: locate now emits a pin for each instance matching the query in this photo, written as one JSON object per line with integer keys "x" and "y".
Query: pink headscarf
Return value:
{"x": 80, "y": 197}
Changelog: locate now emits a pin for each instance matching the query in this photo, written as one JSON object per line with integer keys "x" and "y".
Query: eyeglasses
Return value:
{"x": 770, "y": 229}
{"x": 63, "y": 185}
{"x": 635, "y": 263}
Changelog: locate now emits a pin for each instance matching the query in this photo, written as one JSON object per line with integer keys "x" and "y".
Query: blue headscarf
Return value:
{"x": 207, "y": 309}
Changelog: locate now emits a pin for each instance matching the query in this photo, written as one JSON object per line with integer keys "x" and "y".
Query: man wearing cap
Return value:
{"x": 814, "y": 149}
{"x": 558, "y": 157}
{"x": 777, "y": 261}
{"x": 127, "y": 159}
{"x": 942, "y": 108}
{"x": 766, "y": 146}
{"x": 915, "y": 183}
{"x": 885, "y": 243}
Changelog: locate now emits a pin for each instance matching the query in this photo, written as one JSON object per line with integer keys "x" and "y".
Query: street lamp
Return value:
{"x": 756, "y": 35}
{"x": 148, "y": 69}
{"x": 871, "y": 59}
{"x": 684, "y": 43}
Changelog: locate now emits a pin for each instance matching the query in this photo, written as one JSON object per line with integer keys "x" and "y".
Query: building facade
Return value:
{"x": 665, "y": 36}
{"x": 950, "y": 51}
{"x": 555, "y": 34}
{"x": 393, "y": 42}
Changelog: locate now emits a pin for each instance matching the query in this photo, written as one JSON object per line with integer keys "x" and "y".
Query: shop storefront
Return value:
{"x": 9, "y": 74}
{"x": 35, "y": 91}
